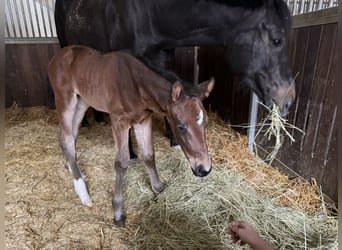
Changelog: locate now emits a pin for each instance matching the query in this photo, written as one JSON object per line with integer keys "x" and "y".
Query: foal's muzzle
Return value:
{"x": 200, "y": 171}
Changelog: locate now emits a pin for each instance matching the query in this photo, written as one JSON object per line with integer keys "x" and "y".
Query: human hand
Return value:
{"x": 244, "y": 232}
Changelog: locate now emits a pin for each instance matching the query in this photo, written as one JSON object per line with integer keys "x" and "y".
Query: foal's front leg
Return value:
{"x": 143, "y": 134}
{"x": 120, "y": 135}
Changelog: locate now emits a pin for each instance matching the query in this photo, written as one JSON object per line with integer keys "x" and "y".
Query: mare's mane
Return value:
{"x": 279, "y": 6}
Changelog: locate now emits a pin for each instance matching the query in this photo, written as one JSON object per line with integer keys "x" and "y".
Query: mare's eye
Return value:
{"x": 181, "y": 128}
{"x": 276, "y": 42}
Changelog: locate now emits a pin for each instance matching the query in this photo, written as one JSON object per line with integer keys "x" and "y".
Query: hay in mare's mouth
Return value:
{"x": 42, "y": 210}
{"x": 274, "y": 125}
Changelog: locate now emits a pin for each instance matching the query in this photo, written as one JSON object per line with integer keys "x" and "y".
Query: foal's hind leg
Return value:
{"x": 80, "y": 111}
{"x": 120, "y": 135}
{"x": 143, "y": 133}
{"x": 67, "y": 138}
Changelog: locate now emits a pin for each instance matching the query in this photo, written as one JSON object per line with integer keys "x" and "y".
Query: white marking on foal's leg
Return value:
{"x": 82, "y": 192}
{"x": 177, "y": 147}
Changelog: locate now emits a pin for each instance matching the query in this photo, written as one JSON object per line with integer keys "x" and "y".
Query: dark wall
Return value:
{"x": 26, "y": 80}
{"x": 229, "y": 98}
{"x": 313, "y": 154}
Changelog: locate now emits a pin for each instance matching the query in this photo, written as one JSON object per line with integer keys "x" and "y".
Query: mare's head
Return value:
{"x": 258, "y": 51}
{"x": 188, "y": 120}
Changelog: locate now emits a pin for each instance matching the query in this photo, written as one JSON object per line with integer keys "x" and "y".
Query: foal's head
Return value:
{"x": 188, "y": 120}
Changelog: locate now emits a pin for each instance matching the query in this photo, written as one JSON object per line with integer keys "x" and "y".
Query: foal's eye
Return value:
{"x": 276, "y": 42}
{"x": 181, "y": 128}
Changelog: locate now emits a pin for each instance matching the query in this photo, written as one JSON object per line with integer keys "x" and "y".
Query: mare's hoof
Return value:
{"x": 120, "y": 222}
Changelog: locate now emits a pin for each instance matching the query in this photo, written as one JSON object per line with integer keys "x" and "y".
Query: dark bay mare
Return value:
{"x": 119, "y": 84}
{"x": 255, "y": 32}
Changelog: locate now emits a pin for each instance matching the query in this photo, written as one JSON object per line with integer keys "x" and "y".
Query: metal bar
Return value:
{"x": 11, "y": 18}
{"x": 311, "y": 5}
{"x": 49, "y": 15}
{"x": 196, "y": 66}
{"x": 18, "y": 19}
{"x": 303, "y": 3}
{"x": 24, "y": 18}
{"x": 37, "y": 19}
{"x": 43, "y": 17}
{"x": 252, "y": 121}
{"x": 31, "y": 19}
{"x": 7, "y": 29}
{"x": 295, "y": 11}
{"x": 320, "y": 6}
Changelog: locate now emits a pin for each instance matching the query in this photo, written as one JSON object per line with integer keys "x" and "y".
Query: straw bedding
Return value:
{"x": 43, "y": 212}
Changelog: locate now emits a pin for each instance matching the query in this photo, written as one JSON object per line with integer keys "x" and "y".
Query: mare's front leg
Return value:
{"x": 70, "y": 113}
{"x": 143, "y": 133}
{"x": 120, "y": 134}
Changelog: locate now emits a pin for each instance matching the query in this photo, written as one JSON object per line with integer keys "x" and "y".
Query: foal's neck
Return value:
{"x": 158, "y": 91}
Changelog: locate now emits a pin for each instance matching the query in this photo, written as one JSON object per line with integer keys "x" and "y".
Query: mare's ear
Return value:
{"x": 205, "y": 88}
{"x": 177, "y": 89}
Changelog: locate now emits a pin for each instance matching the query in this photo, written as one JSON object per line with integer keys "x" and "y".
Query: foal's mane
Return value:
{"x": 189, "y": 89}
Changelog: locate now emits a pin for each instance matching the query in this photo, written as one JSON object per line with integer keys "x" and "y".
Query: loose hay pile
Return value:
{"x": 43, "y": 212}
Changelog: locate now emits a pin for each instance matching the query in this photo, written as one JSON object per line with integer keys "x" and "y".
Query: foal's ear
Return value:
{"x": 205, "y": 88}
{"x": 177, "y": 89}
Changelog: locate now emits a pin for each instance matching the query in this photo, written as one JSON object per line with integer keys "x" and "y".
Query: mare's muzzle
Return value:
{"x": 200, "y": 171}
{"x": 283, "y": 97}
{"x": 281, "y": 93}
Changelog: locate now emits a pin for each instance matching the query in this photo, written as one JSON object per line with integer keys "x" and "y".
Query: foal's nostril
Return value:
{"x": 200, "y": 171}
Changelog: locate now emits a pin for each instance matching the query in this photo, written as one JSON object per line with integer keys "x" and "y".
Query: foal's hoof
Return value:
{"x": 89, "y": 204}
{"x": 158, "y": 189}
{"x": 120, "y": 222}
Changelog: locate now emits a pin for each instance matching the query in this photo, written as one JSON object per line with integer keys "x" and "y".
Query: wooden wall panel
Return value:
{"x": 229, "y": 98}
{"x": 183, "y": 63}
{"x": 26, "y": 80}
{"x": 313, "y": 155}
